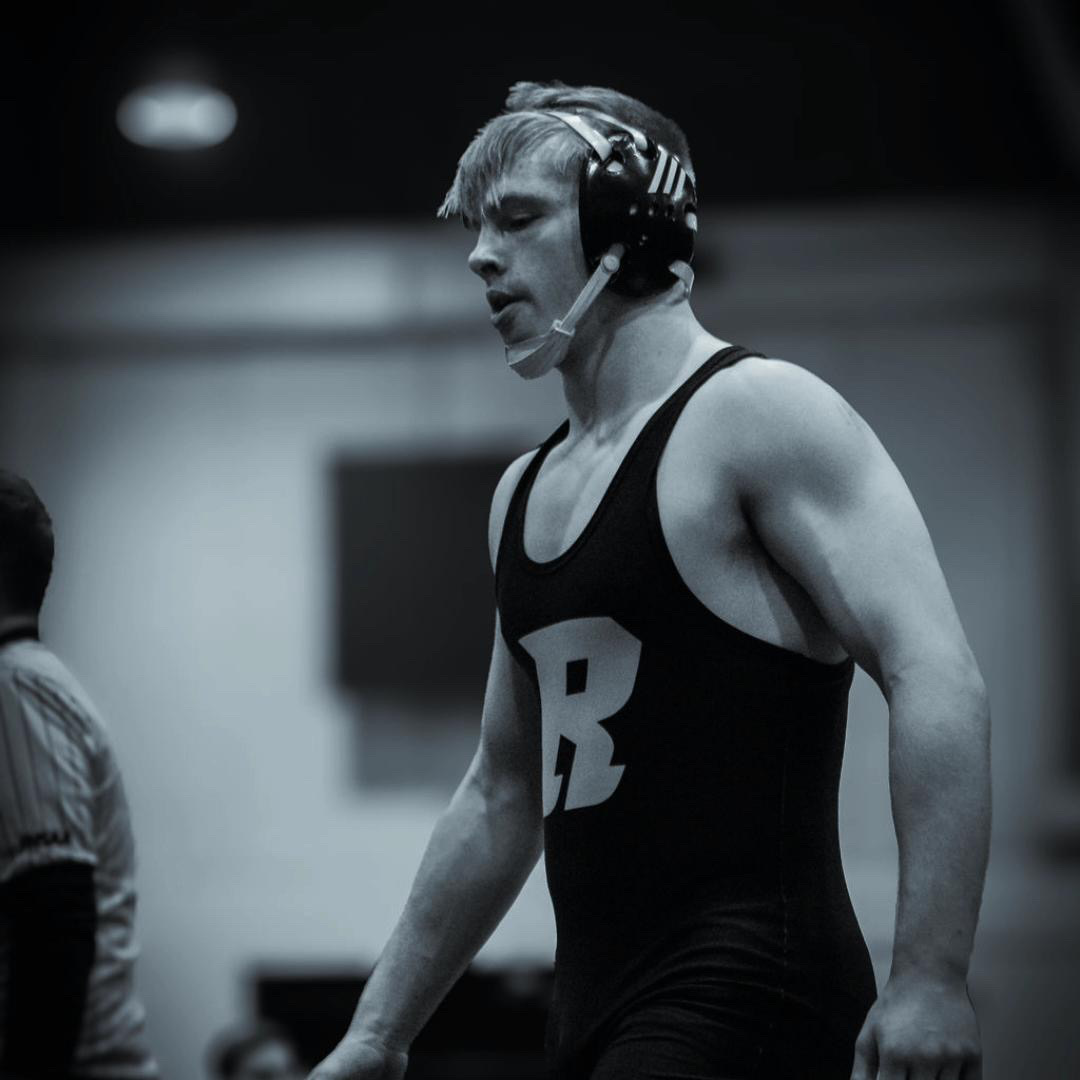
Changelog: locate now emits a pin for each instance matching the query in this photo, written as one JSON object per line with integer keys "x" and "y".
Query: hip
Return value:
{"x": 750, "y": 971}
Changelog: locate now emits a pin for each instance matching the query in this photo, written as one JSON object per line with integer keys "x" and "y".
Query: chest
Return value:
{"x": 566, "y": 497}
{"x": 576, "y": 483}
{"x": 582, "y": 490}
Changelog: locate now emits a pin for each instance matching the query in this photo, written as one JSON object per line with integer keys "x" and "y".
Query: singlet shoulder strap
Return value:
{"x": 515, "y": 510}
{"x": 651, "y": 437}
{"x": 672, "y": 408}
{"x": 725, "y": 358}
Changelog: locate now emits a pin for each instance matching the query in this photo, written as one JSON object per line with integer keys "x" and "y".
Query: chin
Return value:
{"x": 514, "y": 332}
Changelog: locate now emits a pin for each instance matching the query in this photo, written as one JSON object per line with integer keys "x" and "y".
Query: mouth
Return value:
{"x": 499, "y": 301}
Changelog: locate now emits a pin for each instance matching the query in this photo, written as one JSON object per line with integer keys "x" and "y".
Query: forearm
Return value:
{"x": 479, "y": 855}
{"x": 939, "y": 768}
{"x": 53, "y": 921}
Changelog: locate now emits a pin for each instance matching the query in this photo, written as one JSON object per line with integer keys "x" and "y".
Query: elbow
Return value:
{"x": 950, "y": 688}
{"x": 954, "y": 673}
{"x": 981, "y": 697}
{"x": 972, "y": 689}
{"x": 503, "y": 797}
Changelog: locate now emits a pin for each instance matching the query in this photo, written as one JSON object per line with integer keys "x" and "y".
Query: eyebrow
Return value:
{"x": 510, "y": 201}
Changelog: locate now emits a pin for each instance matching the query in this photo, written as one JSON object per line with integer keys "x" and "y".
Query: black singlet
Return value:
{"x": 690, "y": 776}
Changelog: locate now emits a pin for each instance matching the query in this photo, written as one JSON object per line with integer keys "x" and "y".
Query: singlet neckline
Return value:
{"x": 560, "y": 433}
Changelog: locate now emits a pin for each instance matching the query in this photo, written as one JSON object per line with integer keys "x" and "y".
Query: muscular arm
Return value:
{"x": 480, "y": 853}
{"x": 833, "y": 510}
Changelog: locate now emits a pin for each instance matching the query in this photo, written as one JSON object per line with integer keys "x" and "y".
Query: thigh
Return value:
{"x": 659, "y": 1059}
{"x": 676, "y": 1044}
{"x": 683, "y": 1044}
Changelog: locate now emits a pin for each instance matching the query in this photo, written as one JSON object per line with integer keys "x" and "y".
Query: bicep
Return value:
{"x": 508, "y": 757}
{"x": 835, "y": 513}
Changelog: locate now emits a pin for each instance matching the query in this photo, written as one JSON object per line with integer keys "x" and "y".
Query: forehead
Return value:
{"x": 532, "y": 176}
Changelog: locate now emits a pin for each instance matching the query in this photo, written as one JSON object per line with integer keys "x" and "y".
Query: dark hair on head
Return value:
{"x": 228, "y": 1050}
{"x": 26, "y": 544}
{"x": 525, "y": 126}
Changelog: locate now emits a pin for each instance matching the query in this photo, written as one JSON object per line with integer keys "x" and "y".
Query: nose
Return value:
{"x": 486, "y": 259}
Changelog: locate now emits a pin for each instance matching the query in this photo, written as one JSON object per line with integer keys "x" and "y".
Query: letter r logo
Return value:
{"x": 586, "y": 669}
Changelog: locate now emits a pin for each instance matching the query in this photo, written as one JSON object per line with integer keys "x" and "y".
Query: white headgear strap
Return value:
{"x": 538, "y": 355}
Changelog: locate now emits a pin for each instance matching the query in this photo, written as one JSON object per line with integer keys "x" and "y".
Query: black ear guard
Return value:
{"x": 636, "y": 193}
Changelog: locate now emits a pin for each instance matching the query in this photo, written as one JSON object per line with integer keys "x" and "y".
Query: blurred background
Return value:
{"x": 253, "y": 380}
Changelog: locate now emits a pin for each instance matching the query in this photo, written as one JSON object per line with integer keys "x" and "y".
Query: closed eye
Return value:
{"x": 520, "y": 221}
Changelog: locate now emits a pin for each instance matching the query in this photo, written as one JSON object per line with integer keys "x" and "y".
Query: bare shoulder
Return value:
{"x": 784, "y": 397}
{"x": 500, "y": 501}
{"x": 767, "y": 418}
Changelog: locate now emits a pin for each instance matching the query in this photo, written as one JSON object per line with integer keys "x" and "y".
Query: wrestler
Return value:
{"x": 687, "y": 572}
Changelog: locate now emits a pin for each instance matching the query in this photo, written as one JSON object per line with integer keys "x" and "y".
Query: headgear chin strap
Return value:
{"x": 637, "y": 209}
{"x": 536, "y": 356}
{"x": 685, "y": 273}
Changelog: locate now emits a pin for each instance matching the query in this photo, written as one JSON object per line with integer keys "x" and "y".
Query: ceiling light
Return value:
{"x": 176, "y": 116}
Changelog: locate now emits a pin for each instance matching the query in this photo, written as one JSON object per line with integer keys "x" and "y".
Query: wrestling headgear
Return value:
{"x": 637, "y": 208}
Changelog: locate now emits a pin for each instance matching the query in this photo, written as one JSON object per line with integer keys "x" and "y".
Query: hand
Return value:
{"x": 360, "y": 1057}
{"x": 920, "y": 1028}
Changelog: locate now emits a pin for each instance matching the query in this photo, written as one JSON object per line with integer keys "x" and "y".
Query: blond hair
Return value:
{"x": 526, "y": 126}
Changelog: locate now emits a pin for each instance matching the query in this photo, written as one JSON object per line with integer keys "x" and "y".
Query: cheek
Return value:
{"x": 573, "y": 249}
{"x": 577, "y": 273}
{"x": 557, "y": 265}
{"x": 573, "y": 272}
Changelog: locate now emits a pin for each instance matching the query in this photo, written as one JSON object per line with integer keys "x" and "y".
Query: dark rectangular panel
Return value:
{"x": 415, "y": 589}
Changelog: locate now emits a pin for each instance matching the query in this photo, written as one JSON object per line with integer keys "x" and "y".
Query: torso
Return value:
{"x": 689, "y": 739}
{"x": 711, "y": 540}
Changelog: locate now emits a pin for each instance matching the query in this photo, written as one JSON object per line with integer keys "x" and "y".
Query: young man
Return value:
{"x": 686, "y": 572}
{"x": 67, "y": 895}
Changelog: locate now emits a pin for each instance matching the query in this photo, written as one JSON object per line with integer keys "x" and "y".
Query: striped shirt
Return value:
{"x": 62, "y": 799}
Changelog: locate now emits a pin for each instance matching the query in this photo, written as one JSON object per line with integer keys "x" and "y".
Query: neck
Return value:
{"x": 625, "y": 356}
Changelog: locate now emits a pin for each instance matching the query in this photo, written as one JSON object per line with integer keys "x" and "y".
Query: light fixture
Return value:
{"x": 178, "y": 115}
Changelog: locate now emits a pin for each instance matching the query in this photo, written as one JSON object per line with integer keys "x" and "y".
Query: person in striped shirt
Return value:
{"x": 67, "y": 891}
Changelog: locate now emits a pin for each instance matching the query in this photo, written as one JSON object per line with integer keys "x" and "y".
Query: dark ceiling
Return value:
{"x": 361, "y": 116}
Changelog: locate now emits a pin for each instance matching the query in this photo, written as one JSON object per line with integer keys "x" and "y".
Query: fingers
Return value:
{"x": 870, "y": 1064}
{"x": 962, "y": 1066}
{"x": 903, "y": 1068}
{"x": 972, "y": 1070}
{"x": 929, "y": 1069}
{"x": 898, "y": 1068}
{"x": 324, "y": 1071}
{"x": 892, "y": 1070}
{"x": 866, "y": 1055}
{"x": 865, "y": 1065}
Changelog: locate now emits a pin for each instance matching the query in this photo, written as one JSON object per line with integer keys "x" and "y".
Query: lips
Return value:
{"x": 498, "y": 299}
